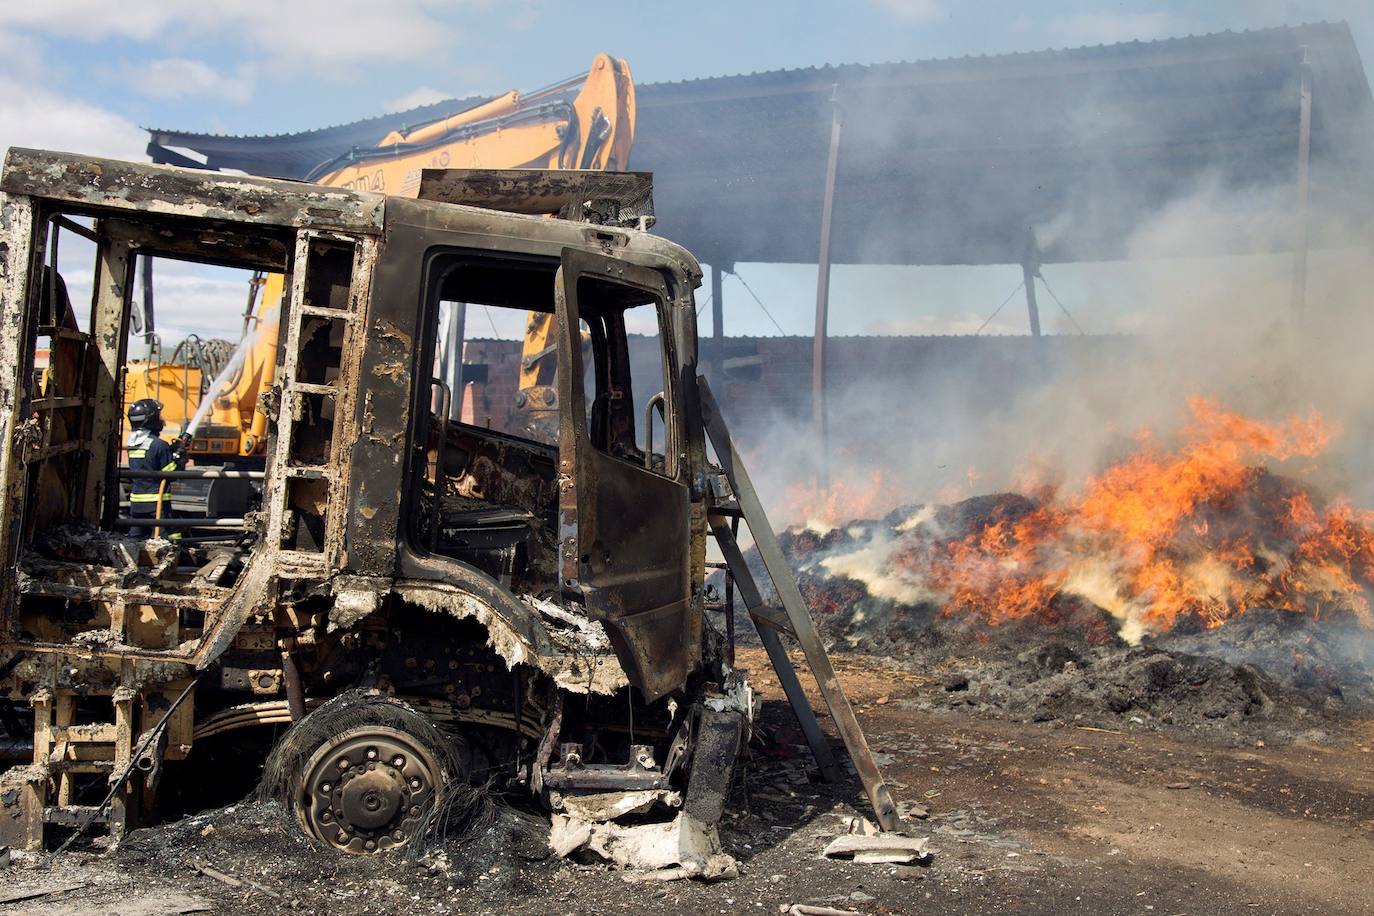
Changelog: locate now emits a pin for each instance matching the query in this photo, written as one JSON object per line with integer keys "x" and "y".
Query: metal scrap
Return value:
{"x": 209, "y": 871}
{"x": 683, "y": 847}
{"x": 889, "y": 848}
{"x": 608, "y": 806}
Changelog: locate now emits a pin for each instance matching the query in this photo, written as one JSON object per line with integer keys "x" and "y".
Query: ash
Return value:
{"x": 505, "y": 855}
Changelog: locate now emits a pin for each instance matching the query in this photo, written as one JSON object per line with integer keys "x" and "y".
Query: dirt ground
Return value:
{"x": 1024, "y": 817}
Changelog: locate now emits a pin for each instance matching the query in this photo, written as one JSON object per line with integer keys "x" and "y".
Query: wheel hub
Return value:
{"x": 368, "y": 789}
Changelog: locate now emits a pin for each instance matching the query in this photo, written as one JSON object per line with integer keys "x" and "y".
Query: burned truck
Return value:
{"x": 410, "y": 603}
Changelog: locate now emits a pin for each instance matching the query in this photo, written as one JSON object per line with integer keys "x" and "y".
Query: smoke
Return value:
{"x": 872, "y": 564}
{"x": 1206, "y": 291}
{"x": 959, "y": 417}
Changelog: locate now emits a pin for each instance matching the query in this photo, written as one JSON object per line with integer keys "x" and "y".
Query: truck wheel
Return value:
{"x": 364, "y": 773}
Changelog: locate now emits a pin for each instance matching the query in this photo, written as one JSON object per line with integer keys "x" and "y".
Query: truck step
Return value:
{"x": 74, "y": 815}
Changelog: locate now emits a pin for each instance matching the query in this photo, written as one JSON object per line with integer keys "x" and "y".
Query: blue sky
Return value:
{"x": 86, "y": 75}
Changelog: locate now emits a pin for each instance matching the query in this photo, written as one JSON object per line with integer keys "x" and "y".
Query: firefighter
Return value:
{"x": 149, "y": 452}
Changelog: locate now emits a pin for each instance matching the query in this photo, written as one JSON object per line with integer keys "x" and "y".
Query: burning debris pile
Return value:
{"x": 1186, "y": 582}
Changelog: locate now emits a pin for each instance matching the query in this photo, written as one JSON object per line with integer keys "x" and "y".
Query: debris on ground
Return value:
{"x": 879, "y": 849}
{"x": 209, "y": 871}
{"x": 1019, "y": 811}
{"x": 681, "y": 848}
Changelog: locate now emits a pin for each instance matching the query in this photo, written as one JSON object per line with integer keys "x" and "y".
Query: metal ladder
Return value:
{"x": 287, "y": 467}
{"x": 63, "y": 750}
{"x": 793, "y": 618}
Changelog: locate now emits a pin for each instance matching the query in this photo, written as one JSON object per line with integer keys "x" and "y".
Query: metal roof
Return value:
{"x": 950, "y": 161}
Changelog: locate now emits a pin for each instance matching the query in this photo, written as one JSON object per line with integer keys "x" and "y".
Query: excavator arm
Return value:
{"x": 586, "y": 122}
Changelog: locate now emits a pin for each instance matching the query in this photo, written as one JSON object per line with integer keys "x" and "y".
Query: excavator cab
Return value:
{"x": 599, "y": 515}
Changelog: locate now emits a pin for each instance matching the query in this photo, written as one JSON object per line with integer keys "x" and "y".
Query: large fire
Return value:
{"x": 1199, "y": 532}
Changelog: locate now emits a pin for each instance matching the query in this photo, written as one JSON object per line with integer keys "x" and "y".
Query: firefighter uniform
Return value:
{"x": 149, "y": 497}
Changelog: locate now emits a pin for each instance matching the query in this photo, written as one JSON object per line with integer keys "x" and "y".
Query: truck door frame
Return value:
{"x": 634, "y": 573}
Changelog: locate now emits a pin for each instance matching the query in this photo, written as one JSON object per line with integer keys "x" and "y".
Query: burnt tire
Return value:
{"x": 365, "y": 773}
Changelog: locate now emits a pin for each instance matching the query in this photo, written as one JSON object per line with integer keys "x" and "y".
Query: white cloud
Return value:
{"x": 912, "y": 10}
{"x": 424, "y": 95}
{"x": 37, "y": 117}
{"x": 1110, "y": 28}
{"x": 179, "y": 77}
{"x": 297, "y": 35}
{"x": 87, "y": 19}
{"x": 33, "y": 114}
{"x": 21, "y": 56}
{"x": 196, "y": 299}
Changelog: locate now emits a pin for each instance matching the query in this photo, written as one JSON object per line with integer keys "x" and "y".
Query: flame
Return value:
{"x": 822, "y": 508}
{"x": 1198, "y": 533}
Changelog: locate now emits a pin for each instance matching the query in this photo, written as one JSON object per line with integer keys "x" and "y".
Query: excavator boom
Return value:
{"x": 582, "y": 123}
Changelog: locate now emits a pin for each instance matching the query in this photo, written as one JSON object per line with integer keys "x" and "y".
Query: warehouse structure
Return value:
{"x": 1025, "y": 159}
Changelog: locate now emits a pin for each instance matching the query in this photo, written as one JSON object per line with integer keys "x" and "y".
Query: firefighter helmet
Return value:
{"x": 144, "y": 413}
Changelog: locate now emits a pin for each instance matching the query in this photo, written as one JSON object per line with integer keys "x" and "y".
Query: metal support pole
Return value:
{"x": 236, "y": 524}
{"x": 1029, "y": 273}
{"x": 202, "y": 473}
{"x": 148, "y": 321}
{"x": 1030, "y": 269}
{"x": 823, "y": 290}
{"x": 456, "y": 334}
{"x": 453, "y": 356}
{"x": 717, "y": 323}
{"x": 109, "y": 329}
{"x": 1302, "y": 231}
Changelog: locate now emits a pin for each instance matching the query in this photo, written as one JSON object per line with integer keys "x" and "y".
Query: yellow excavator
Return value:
{"x": 586, "y": 122}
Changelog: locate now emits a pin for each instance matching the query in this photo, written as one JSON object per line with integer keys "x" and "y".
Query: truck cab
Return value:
{"x": 421, "y": 595}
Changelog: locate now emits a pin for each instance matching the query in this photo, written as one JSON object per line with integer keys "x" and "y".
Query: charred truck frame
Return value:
{"x": 417, "y": 603}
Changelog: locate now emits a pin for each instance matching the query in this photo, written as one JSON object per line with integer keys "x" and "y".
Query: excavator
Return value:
{"x": 585, "y": 122}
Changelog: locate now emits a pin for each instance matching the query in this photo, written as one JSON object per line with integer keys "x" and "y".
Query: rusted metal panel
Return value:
{"x": 16, "y": 266}
{"x": 577, "y": 658}
{"x": 255, "y": 246}
{"x": 90, "y": 182}
{"x": 514, "y": 233}
{"x": 568, "y": 192}
{"x": 106, "y": 360}
{"x": 718, "y": 736}
{"x": 382, "y": 418}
